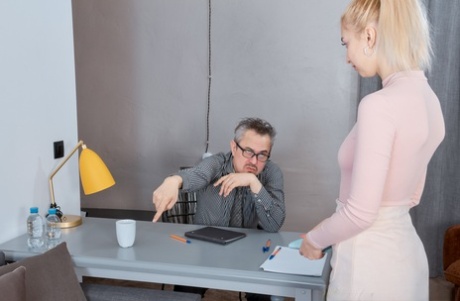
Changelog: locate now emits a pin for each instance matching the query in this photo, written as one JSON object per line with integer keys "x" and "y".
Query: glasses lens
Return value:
{"x": 248, "y": 153}
{"x": 262, "y": 157}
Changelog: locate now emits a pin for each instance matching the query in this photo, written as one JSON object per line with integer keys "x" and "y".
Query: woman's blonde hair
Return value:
{"x": 403, "y": 34}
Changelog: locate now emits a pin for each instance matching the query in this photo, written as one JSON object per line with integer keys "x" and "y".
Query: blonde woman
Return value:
{"x": 377, "y": 254}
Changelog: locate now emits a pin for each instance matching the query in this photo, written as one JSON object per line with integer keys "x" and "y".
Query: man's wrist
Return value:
{"x": 176, "y": 179}
{"x": 256, "y": 186}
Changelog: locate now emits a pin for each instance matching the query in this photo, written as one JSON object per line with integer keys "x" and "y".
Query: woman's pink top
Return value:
{"x": 384, "y": 159}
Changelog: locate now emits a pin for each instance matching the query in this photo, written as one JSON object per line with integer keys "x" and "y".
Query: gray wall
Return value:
{"x": 142, "y": 79}
{"x": 37, "y": 107}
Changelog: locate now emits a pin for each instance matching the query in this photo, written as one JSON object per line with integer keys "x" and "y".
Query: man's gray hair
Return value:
{"x": 258, "y": 125}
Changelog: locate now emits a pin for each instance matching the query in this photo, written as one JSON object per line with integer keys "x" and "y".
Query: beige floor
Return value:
{"x": 440, "y": 290}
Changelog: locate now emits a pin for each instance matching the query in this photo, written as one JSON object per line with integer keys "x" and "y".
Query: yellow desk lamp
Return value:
{"x": 94, "y": 176}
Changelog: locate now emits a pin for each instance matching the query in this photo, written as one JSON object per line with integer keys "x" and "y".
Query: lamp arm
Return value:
{"x": 50, "y": 181}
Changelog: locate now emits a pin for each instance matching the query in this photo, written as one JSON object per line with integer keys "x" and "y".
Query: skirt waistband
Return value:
{"x": 385, "y": 213}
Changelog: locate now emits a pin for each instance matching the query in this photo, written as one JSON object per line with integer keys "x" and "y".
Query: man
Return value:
{"x": 241, "y": 188}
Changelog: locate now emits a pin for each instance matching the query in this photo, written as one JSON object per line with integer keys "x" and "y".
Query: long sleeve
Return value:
{"x": 265, "y": 209}
{"x": 269, "y": 202}
{"x": 369, "y": 145}
{"x": 383, "y": 160}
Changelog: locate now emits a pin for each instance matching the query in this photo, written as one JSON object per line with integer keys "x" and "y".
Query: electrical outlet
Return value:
{"x": 58, "y": 149}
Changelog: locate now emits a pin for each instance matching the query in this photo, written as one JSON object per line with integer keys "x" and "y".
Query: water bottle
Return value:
{"x": 35, "y": 229}
{"x": 53, "y": 231}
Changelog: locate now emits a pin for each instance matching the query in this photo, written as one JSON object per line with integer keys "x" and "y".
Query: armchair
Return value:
{"x": 451, "y": 258}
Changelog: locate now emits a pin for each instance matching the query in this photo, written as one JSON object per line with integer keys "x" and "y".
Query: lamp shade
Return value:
{"x": 94, "y": 174}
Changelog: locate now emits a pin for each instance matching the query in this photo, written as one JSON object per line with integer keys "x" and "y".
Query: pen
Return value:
{"x": 267, "y": 246}
{"x": 181, "y": 239}
{"x": 274, "y": 253}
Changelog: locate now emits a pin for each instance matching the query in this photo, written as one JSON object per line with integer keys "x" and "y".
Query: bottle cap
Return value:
{"x": 52, "y": 211}
{"x": 33, "y": 209}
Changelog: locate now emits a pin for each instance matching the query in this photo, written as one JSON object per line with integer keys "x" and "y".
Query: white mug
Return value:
{"x": 126, "y": 232}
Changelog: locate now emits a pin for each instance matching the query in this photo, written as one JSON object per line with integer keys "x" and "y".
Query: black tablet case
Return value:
{"x": 215, "y": 235}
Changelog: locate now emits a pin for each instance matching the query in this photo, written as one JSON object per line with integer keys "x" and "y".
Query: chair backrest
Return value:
{"x": 184, "y": 210}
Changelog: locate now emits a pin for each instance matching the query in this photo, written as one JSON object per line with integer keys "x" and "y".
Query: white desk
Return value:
{"x": 157, "y": 258}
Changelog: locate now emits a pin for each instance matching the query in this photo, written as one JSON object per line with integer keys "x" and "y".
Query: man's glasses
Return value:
{"x": 249, "y": 153}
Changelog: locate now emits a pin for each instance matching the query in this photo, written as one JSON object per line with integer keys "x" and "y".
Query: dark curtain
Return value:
{"x": 440, "y": 204}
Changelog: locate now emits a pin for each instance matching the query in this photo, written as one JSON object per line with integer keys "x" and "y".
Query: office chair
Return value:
{"x": 183, "y": 211}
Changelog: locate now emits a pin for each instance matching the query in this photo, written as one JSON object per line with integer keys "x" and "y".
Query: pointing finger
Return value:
{"x": 157, "y": 216}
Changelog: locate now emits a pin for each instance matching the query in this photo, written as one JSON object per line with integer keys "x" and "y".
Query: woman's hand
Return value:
{"x": 308, "y": 250}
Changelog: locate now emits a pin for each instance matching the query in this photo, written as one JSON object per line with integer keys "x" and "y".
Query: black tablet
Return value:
{"x": 215, "y": 235}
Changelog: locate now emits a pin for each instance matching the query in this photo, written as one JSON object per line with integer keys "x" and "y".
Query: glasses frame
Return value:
{"x": 249, "y": 153}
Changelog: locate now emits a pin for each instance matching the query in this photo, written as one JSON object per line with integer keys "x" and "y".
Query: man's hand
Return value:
{"x": 233, "y": 180}
{"x": 166, "y": 195}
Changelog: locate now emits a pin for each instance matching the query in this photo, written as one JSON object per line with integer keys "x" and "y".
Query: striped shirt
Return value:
{"x": 241, "y": 208}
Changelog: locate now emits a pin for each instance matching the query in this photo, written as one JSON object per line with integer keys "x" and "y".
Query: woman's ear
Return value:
{"x": 371, "y": 36}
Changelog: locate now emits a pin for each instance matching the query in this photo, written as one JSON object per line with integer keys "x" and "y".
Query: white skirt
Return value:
{"x": 386, "y": 262}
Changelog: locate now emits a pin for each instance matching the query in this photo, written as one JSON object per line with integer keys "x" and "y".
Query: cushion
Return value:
{"x": 50, "y": 276}
{"x": 452, "y": 273}
{"x": 13, "y": 286}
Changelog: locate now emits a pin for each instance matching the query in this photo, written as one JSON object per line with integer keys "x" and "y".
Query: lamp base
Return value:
{"x": 70, "y": 221}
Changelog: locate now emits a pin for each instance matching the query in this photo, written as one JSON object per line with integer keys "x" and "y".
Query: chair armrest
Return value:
{"x": 452, "y": 273}
{"x": 451, "y": 247}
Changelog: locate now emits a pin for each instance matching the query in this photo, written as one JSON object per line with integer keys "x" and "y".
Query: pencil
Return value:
{"x": 181, "y": 239}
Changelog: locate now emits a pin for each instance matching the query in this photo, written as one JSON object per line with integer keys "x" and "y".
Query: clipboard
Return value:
{"x": 215, "y": 235}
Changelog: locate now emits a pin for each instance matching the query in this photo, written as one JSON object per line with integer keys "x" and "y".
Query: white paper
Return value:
{"x": 289, "y": 261}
